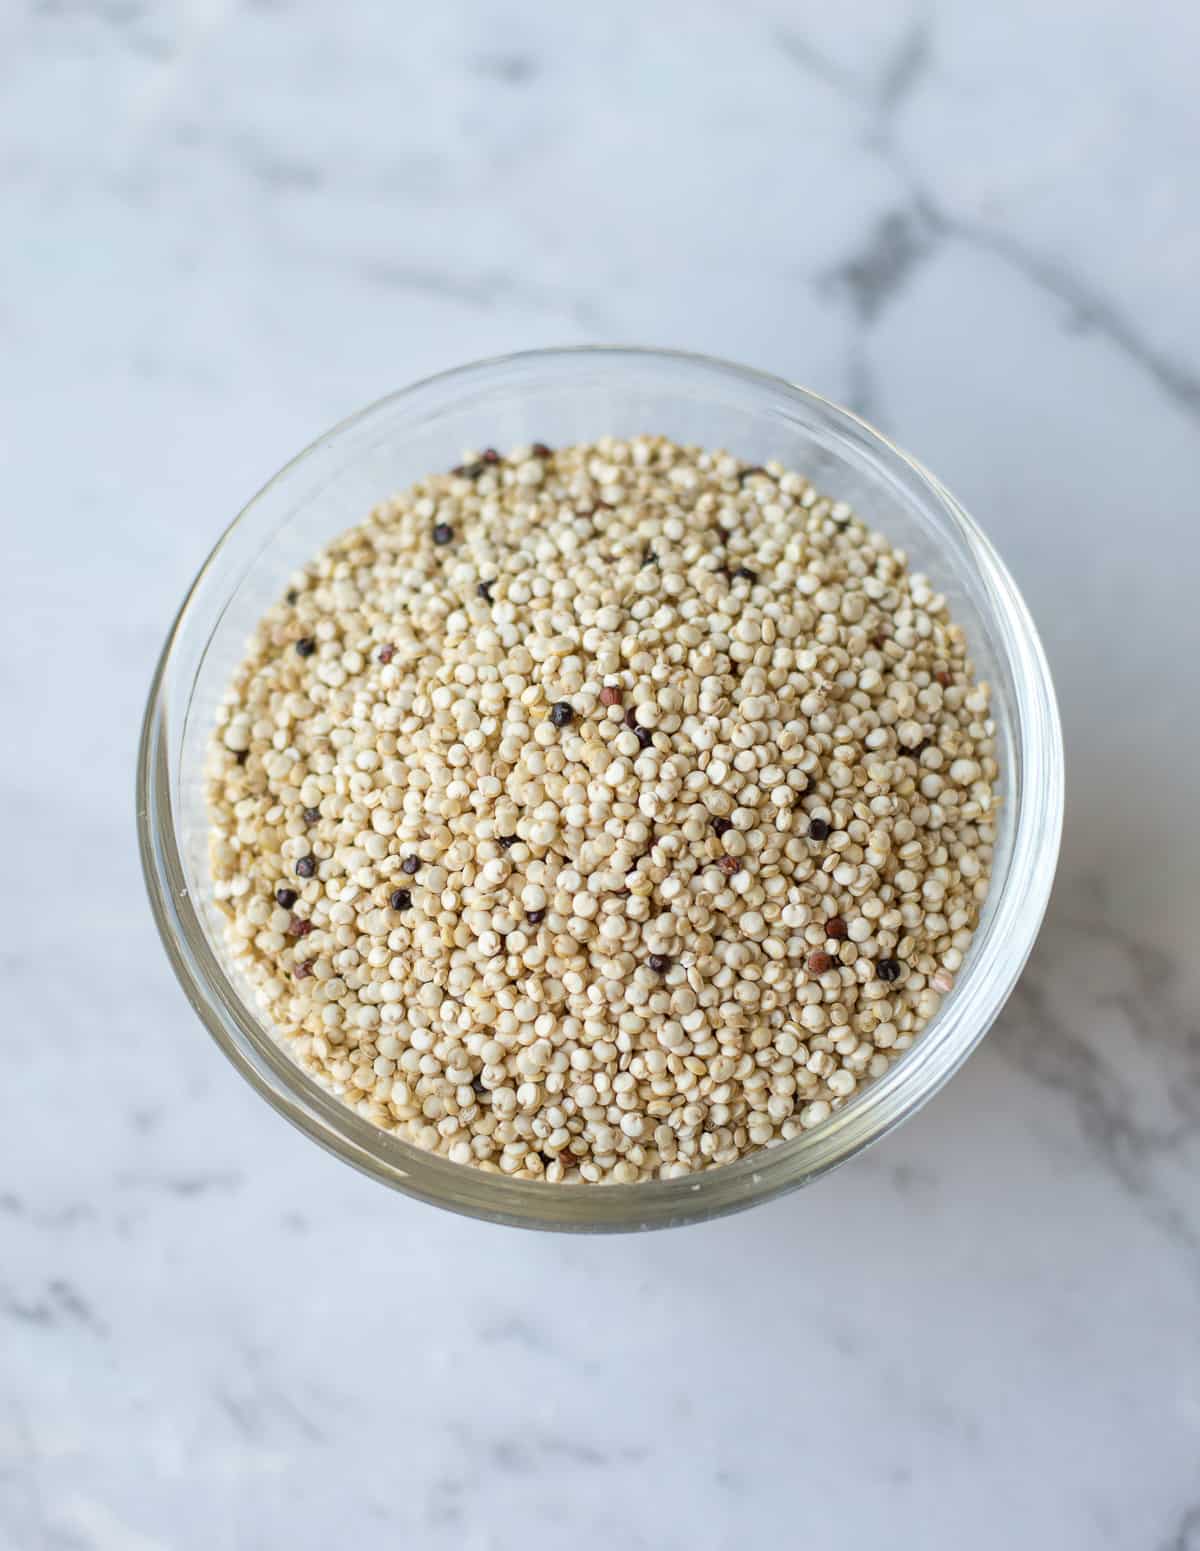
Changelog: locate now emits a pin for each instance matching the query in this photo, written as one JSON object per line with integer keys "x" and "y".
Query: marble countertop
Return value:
{"x": 226, "y": 225}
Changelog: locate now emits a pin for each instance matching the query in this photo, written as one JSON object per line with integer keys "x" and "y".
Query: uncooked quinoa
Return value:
{"x": 603, "y": 814}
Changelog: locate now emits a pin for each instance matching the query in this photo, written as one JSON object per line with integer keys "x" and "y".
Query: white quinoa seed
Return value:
{"x": 593, "y": 937}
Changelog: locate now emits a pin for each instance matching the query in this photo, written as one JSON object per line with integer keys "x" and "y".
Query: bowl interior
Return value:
{"x": 560, "y": 397}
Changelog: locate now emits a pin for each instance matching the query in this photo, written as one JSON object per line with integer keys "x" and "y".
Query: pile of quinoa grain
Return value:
{"x": 605, "y": 813}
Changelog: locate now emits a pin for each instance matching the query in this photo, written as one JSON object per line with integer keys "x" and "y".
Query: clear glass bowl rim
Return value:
{"x": 992, "y": 969}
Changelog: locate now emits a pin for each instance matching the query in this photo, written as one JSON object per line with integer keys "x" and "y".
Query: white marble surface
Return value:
{"x": 225, "y": 226}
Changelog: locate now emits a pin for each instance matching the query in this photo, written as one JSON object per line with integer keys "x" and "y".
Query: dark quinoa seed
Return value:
{"x": 469, "y": 470}
{"x": 305, "y": 646}
{"x": 729, "y": 865}
{"x": 888, "y": 969}
{"x": 659, "y": 963}
{"x": 443, "y": 533}
{"x": 489, "y": 455}
{"x": 410, "y": 865}
{"x": 401, "y": 899}
{"x": 293, "y": 596}
{"x": 561, "y": 713}
{"x": 540, "y": 450}
{"x": 722, "y": 826}
{"x": 836, "y": 928}
{"x": 535, "y": 917}
{"x": 477, "y": 1084}
{"x": 648, "y": 556}
{"x": 818, "y": 829}
{"x": 306, "y": 867}
{"x": 299, "y": 927}
{"x": 386, "y": 653}
{"x": 304, "y": 970}
{"x": 508, "y": 841}
{"x": 745, "y": 574}
{"x": 286, "y": 898}
{"x": 645, "y": 737}
{"x": 631, "y": 718}
{"x": 484, "y": 591}
{"x": 311, "y": 815}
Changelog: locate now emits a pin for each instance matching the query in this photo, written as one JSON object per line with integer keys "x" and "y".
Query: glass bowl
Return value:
{"x": 560, "y": 396}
